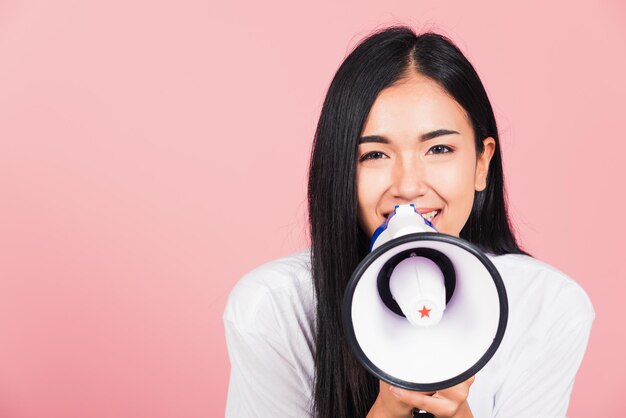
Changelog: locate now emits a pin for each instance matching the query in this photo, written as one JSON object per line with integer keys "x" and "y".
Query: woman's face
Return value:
{"x": 417, "y": 147}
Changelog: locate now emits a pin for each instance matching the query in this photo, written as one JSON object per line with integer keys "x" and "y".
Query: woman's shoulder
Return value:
{"x": 535, "y": 282}
{"x": 274, "y": 288}
{"x": 279, "y": 273}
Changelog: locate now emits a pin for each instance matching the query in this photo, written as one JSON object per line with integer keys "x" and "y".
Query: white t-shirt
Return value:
{"x": 270, "y": 327}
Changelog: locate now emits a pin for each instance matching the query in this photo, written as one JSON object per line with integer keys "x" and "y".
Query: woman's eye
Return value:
{"x": 439, "y": 149}
{"x": 374, "y": 155}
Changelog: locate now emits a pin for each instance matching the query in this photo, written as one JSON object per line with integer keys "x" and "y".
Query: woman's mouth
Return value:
{"x": 430, "y": 216}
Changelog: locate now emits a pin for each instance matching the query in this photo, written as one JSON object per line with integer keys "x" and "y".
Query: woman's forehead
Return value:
{"x": 415, "y": 104}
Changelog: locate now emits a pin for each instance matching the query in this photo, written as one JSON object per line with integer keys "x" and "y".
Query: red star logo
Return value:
{"x": 424, "y": 312}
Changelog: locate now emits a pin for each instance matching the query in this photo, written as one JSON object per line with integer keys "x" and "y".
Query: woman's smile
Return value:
{"x": 430, "y": 214}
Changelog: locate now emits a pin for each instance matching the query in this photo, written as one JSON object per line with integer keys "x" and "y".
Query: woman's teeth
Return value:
{"x": 430, "y": 215}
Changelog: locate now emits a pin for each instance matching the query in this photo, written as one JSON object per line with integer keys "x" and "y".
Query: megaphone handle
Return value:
{"x": 418, "y": 413}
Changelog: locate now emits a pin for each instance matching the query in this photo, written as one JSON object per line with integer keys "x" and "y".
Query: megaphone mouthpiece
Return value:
{"x": 417, "y": 285}
{"x": 404, "y": 220}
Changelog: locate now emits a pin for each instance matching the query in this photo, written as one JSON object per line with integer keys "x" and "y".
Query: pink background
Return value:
{"x": 153, "y": 152}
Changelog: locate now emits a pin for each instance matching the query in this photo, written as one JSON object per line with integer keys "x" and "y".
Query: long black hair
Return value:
{"x": 342, "y": 387}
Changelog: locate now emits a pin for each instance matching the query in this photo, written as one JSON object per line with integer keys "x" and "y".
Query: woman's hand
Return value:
{"x": 394, "y": 402}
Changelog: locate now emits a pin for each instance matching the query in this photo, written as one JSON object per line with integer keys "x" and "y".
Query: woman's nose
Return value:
{"x": 408, "y": 180}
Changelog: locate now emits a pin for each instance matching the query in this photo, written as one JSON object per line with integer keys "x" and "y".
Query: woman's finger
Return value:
{"x": 436, "y": 406}
{"x": 443, "y": 403}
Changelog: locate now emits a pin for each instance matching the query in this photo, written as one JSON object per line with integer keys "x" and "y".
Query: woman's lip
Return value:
{"x": 426, "y": 210}
{"x": 421, "y": 211}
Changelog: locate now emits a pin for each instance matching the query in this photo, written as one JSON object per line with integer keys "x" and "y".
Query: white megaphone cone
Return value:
{"x": 424, "y": 310}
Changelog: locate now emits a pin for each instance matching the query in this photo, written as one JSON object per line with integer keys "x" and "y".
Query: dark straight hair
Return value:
{"x": 342, "y": 386}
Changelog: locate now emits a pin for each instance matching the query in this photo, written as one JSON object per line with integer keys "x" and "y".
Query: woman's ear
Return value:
{"x": 482, "y": 164}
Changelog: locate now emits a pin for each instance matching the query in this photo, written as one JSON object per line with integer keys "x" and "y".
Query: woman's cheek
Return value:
{"x": 455, "y": 186}
{"x": 451, "y": 182}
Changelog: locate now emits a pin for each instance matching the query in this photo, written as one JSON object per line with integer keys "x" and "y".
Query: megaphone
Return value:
{"x": 424, "y": 310}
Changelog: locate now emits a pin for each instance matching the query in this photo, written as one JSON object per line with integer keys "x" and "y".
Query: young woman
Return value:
{"x": 406, "y": 120}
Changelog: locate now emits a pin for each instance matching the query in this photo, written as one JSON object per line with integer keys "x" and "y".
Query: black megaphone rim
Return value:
{"x": 373, "y": 256}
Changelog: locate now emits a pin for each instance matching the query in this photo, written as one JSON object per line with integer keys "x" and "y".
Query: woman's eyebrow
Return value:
{"x": 435, "y": 134}
{"x": 373, "y": 138}
{"x": 424, "y": 137}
